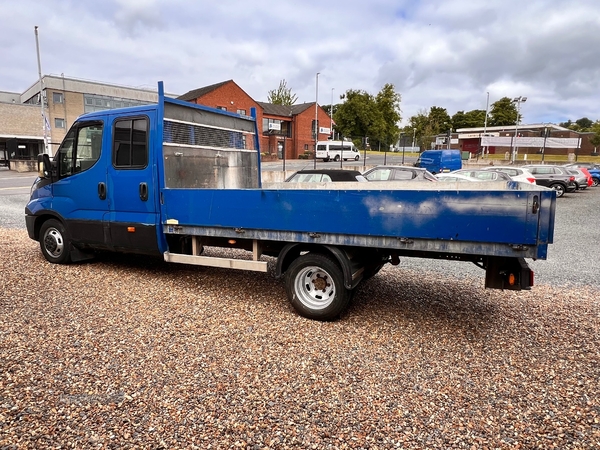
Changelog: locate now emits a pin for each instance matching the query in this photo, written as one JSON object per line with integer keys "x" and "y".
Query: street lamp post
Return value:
{"x": 546, "y": 130}
{"x": 518, "y": 100}
{"x": 487, "y": 104}
{"x": 316, "y": 121}
{"x": 403, "y": 145}
{"x": 414, "y": 136}
{"x": 331, "y": 115}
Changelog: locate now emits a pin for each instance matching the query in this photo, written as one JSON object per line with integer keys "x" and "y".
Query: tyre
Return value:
{"x": 356, "y": 158}
{"x": 559, "y": 188}
{"x": 55, "y": 242}
{"x": 337, "y": 158}
{"x": 595, "y": 181}
{"x": 325, "y": 159}
{"x": 314, "y": 284}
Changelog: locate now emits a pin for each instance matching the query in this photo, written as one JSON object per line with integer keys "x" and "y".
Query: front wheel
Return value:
{"x": 559, "y": 188}
{"x": 356, "y": 158}
{"x": 314, "y": 284}
{"x": 54, "y": 242}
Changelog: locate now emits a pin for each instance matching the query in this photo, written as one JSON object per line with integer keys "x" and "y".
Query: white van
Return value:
{"x": 328, "y": 150}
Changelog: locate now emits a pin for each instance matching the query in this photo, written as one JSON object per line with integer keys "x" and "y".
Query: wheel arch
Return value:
{"x": 43, "y": 217}
{"x": 292, "y": 251}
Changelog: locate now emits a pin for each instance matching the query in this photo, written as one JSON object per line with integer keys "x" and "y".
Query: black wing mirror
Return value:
{"x": 44, "y": 166}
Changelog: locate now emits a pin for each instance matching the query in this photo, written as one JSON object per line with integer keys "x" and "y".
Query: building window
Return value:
{"x": 57, "y": 97}
{"x": 305, "y": 146}
{"x": 241, "y": 111}
{"x": 222, "y": 108}
{"x": 100, "y": 103}
{"x": 272, "y": 126}
{"x": 59, "y": 123}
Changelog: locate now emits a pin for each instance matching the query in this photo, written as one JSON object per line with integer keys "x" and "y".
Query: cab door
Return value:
{"x": 131, "y": 177}
{"x": 80, "y": 173}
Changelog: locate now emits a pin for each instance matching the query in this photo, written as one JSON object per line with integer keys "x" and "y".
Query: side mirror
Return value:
{"x": 44, "y": 166}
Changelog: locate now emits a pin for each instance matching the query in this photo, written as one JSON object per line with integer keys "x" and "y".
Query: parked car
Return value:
{"x": 593, "y": 169}
{"x": 516, "y": 173}
{"x": 554, "y": 177}
{"x": 590, "y": 179}
{"x": 453, "y": 177}
{"x": 484, "y": 175}
{"x": 324, "y": 176}
{"x": 398, "y": 173}
{"x": 587, "y": 165}
{"x": 581, "y": 179}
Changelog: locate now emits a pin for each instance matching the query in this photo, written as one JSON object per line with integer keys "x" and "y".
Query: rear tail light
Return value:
{"x": 531, "y": 278}
{"x": 572, "y": 179}
{"x": 531, "y": 180}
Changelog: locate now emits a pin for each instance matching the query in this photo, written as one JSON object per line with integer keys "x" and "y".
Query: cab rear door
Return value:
{"x": 131, "y": 184}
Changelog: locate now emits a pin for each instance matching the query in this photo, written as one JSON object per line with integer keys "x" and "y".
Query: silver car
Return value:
{"x": 398, "y": 173}
{"x": 581, "y": 179}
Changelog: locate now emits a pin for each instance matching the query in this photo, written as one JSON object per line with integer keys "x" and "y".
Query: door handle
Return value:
{"x": 143, "y": 192}
{"x": 102, "y": 190}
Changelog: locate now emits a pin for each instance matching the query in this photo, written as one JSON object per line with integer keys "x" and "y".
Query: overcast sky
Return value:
{"x": 446, "y": 53}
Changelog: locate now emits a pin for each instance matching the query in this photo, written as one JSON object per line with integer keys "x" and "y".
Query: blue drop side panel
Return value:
{"x": 477, "y": 216}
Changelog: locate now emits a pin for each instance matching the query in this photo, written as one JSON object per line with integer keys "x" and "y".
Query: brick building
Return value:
{"x": 283, "y": 130}
{"x": 470, "y": 139}
{"x": 21, "y": 123}
{"x": 21, "y": 132}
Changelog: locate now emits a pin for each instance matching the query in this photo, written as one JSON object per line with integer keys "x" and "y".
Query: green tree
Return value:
{"x": 439, "y": 120}
{"x": 358, "y": 116}
{"x": 282, "y": 95}
{"x": 582, "y": 125}
{"x": 423, "y": 128}
{"x": 388, "y": 104}
{"x": 364, "y": 115}
{"x": 568, "y": 124}
{"x": 595, "y": 139}
{"x": 503, "y": 112}
{"x": 469, "y": 119}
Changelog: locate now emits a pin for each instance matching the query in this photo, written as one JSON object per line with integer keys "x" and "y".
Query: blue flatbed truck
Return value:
{"x": 174, "y": 178}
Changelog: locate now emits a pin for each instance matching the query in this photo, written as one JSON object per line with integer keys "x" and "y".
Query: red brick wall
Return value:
{"x": 303, "y": 131}
{"x": 232, "y": 97}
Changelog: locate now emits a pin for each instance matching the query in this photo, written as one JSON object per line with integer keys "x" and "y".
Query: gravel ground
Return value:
{"x": 127, "y": 352}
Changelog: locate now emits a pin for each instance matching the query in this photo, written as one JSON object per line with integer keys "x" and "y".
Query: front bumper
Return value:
{"x": 30, "y": 223}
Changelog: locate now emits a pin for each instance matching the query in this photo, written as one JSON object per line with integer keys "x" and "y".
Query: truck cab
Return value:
{"x": 98, "y": 183}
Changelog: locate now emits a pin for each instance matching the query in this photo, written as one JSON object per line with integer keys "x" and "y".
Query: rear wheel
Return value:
{"x": 559, "y": 188}
{"x": 337, "y": 158}
{"x": 315, "y": 287}
{"x": 325, "y": 159}
{"x": 54, "y": 242}
{"x": 595, "y": 181}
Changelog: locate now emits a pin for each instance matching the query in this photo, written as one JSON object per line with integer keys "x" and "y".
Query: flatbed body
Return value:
{"x": 173, "y": 178}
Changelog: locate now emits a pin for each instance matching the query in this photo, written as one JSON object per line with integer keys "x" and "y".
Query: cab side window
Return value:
{"x": 130, "y": 143}
{"x": 80, "y": 149}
